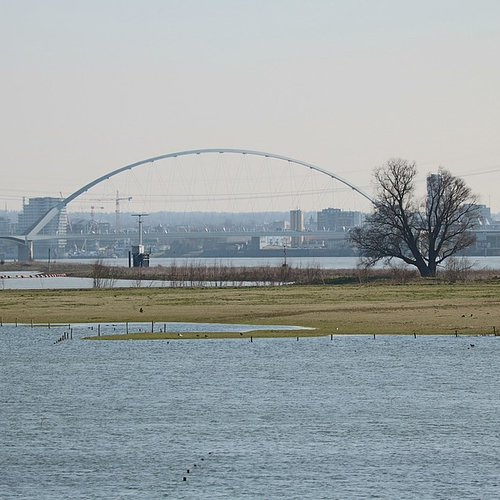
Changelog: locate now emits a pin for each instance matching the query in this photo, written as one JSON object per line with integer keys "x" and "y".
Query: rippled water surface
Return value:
{"x": 353, "y": 417}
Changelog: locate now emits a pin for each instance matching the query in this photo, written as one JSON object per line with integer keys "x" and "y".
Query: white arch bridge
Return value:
{"x": 32, "y": 234}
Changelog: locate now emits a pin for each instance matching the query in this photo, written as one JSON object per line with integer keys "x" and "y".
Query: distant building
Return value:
{"x": 433, "y": 182}
{"x": 297, "y": 224}
{"x": 335, "y": 219}
{"x": 32, "y": 212}
{"x": 5, "y": 226}
{"x": 6, "y": 248}
{"x": 276, "y": 225}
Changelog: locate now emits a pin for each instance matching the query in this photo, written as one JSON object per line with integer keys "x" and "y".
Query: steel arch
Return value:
{"x": 31, "y": 232}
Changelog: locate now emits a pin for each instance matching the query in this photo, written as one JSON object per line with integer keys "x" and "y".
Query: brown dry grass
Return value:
{"x": 422, "y": 307}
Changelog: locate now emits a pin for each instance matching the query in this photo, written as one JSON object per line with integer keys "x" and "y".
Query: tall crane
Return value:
{"x": 118, "y": 222}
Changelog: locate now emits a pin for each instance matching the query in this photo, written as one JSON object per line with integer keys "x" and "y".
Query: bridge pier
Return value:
{"x": 25, "y": 251}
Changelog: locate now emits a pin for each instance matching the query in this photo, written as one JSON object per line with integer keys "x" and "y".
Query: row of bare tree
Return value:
{"x": 219, "y": 275}
{"x": 216, "y": 274}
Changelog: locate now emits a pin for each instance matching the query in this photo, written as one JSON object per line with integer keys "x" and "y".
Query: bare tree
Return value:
{"x": 422, "y": 234}
{"x": 103, "y": 276}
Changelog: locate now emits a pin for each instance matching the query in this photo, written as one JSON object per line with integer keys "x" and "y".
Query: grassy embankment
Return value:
{"x": 420, "y": 307}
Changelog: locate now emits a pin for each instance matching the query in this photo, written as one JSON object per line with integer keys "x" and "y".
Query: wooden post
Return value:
{"x": 99, "y": 330}
{"x": 126, "y": 327}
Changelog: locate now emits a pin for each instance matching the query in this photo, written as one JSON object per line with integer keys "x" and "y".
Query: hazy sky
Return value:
{"x": 88, "y": 86}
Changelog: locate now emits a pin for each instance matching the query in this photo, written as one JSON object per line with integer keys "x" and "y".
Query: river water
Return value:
{"x": 321, "y": 262}
{"x": 349, "y": 418}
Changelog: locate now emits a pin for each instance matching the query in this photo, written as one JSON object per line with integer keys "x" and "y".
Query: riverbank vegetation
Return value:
{"x": 195, "y": 273}
{"x": 338, "y": 306}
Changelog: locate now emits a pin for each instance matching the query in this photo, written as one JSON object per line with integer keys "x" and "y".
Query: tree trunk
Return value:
{"x": 426, "y": 271}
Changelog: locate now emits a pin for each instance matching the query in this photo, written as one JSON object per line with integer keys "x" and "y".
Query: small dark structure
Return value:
{"x": 138, "y": 257}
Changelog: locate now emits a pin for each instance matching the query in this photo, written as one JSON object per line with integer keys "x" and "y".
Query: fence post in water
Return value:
{"x": 331, "y": 336}
{"x": 495, "y": 331}
{"x": 99, "y": 330}
{"x": 1, "y": 321}
{"x": 71, "y": 333}
{"x": 152, "y": 326}
{"x": 373, "y": 335}
{"x": 456, "y": 333}
{"x": 251, "y": 338}
{"x": 16, "y": 321}
{"x": 126, "y": 327}
{"x": 414, "y": 335}
{"x": 165, "y": 327}
{"x": 48, "y": 324}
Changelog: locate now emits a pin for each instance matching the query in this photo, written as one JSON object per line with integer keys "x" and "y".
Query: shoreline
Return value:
{"x": 418, "y": 308}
